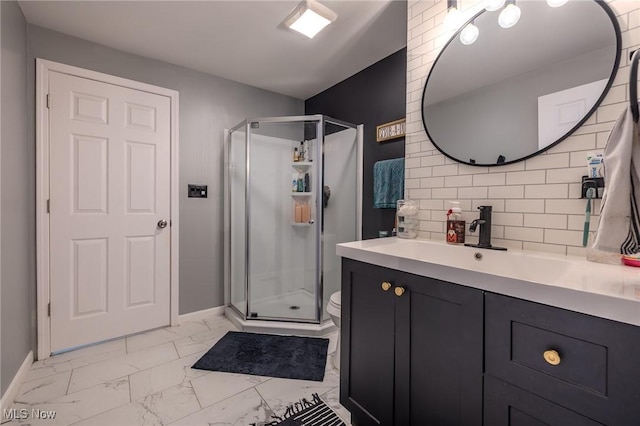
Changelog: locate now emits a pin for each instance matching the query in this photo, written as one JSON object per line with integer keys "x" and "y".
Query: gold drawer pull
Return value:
{"x": 386, "y": 286}
{"x": 399, "y": 291}
{"x": 552, "y": 357}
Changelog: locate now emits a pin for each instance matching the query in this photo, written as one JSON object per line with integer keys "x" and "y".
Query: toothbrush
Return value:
{"x": 587, "y": 216}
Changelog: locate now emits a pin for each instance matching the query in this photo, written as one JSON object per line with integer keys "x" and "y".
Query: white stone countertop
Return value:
{"x": 568, "y": 282}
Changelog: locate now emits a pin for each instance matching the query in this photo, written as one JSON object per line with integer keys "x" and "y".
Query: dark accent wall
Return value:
{"x": 374, "y": 96}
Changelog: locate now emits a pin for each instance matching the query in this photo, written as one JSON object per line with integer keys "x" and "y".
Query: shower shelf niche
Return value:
{"x": 301, "y": 165}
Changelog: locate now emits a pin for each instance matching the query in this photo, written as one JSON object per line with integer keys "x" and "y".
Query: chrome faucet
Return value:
{"x": 484, "y": 240}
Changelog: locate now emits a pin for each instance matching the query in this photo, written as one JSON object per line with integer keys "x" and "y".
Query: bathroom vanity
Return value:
{"x": 434, "y": 334}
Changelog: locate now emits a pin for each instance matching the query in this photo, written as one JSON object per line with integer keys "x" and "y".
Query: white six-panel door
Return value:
{"x": 110, "y": 155}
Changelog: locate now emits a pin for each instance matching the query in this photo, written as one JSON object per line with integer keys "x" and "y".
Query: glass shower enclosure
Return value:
{"x": 293, "y": 191}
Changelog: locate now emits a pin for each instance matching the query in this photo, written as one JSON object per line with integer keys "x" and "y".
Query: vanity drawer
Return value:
{"x": 598, "y": 373}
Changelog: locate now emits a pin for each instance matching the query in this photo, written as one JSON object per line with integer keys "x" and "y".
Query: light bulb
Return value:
{"x": 453, "y": 19}
{"x": 492, "y": 5}
{"x": 509, "y": 16}
{"x": 469, "y": 34}
{"x": 556, "y": 3}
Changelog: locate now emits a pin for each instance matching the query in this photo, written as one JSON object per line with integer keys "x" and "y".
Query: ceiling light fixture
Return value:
{"x": 509, "y": 15}
{"x": 493, "y": 5}
{"x": 469, "y": 34}
{"x": 309, "y": 18}
{"x": 454, "y": 17}
{"x": 556, "y": 3}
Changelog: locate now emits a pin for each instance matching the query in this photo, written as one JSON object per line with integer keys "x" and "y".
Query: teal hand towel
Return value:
{"x": 388, "y": 183}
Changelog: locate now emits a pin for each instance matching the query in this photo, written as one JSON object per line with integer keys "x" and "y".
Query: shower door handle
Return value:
{"x": 162, "y": 224}
{"x": 311, "y": 221}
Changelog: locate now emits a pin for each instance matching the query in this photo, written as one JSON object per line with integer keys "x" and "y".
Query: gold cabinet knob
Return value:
{"x": 552, "y": 357}
{"x": 399, "y": 291}
{"x": 386, "y": 286}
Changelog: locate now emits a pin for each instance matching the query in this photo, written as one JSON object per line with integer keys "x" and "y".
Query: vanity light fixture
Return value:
{"x": 454, "y": 17}
{"x": 493, "y": 5}
{"x": 469, "y": 34}
{"x": 509, "y": 15}
{"x": 556, "y": 3}
{"x": 309, "y": 18}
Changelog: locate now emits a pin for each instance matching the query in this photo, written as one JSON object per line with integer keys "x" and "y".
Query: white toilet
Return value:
{"x": 333, "y": 309}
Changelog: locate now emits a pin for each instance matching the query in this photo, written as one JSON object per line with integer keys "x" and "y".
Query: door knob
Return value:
{"x": 399, "y": 291}
{"x": 386, "y": 286}
{"x": 162, "y": 224}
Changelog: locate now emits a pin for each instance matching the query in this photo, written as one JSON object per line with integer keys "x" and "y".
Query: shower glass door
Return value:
{"x": 282, "y": 228}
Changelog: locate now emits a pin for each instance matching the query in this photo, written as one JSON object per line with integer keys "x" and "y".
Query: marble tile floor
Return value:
{"x": 147, "y": 379}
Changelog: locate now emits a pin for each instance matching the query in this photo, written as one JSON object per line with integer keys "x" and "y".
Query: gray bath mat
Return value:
{"x": 289, "y": 357}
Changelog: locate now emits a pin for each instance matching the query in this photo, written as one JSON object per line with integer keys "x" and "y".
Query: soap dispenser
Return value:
{"x": 455, "y": 224}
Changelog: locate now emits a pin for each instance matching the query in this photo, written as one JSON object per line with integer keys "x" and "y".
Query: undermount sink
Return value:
{"x": 511, "y": 264}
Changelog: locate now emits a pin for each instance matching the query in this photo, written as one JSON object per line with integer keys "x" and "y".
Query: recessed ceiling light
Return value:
{"x": 309, "y": 18}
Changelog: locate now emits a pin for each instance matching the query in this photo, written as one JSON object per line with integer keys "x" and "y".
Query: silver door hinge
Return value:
{"x": 48, "y": 101}
{"x": 49, "y": 309}
{"x": 49, "y": 206}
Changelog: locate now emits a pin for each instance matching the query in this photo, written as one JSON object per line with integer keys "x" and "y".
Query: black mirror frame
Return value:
{"x": 614, "y": 71}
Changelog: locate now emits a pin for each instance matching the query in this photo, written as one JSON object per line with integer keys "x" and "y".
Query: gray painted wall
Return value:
{"x": 17, "y": 200}
{"x": 208, "y": 105}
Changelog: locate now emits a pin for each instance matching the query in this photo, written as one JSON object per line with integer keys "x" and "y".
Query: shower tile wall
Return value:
{"x": 536, "y": 202}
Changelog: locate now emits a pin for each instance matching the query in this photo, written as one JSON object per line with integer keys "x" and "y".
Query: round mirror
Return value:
{"x": 515, "y": 92}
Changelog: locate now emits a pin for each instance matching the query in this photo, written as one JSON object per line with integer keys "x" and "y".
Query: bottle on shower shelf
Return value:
{"x": 296, "y": 155}
{"x": 303, "y": 155}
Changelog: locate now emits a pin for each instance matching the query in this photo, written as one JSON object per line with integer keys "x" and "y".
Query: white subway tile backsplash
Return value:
{"x": 579, "y": 158}
{"x": 565, "y": 206}
{"x": 419, "y": 194}
{"x": 568, "y": 175}
{"x": 432, "y": 160}
{"x": 514, "y": 167}
{"x": 458, "y": 180}
{"x": 411, "y": 163}
{"x": 445, "y": 193}
{"x": 576, "y": 222}
{"x": 633, "y": 19}
{"x": 515, "y": 191}
{"x": 432, "y": 182}
{"x": 431, "y": 226}
{"x": 548, "y": 161}
{"x": 465, "y": 169}
{"x": 555, "y": 190}
{"x": 524, "y": 234}
{"x": 472, "y": 192}
{"x": 529, "y": 177}
{"x": 557, "y": 236}
{"x": 421, "y": 172}
{"x": 431, "y": 204}
{"x": 575, "y": 143}
{"x": 552, "y": 221}
{"x": 525, "y": 206}
{"x": 489, "y": 179}
{"x": 508, "y": 219}
{"x": 611, "y": 112}
{"x": 536, "y": 202}
{"x": 497, "y": 205}
{"x": 445, "y": 170}
{"x": 602, "y": 138}
{"x": 411, "y": 183}
{"x": 616, "y": 94}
